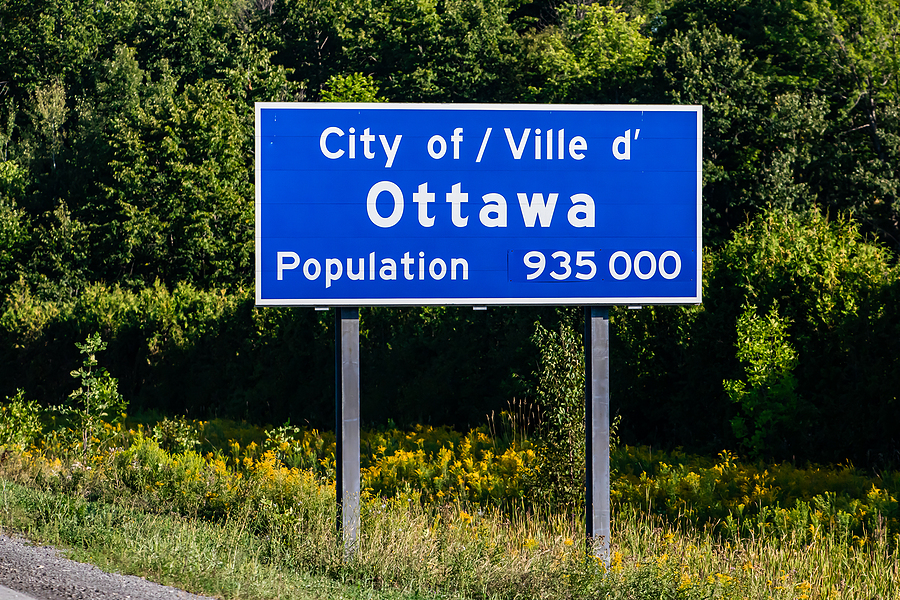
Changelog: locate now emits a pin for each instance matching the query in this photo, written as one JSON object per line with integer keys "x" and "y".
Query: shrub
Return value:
{"x": 560, "y": 393}
{"x": 769, "y": 409}
{"x": 20, "y": 422}
{"x": 177, "y": 434}
{"x": 818, "y": 288}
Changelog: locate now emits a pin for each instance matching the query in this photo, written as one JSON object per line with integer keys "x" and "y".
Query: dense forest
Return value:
{"x": 127, "y": 207}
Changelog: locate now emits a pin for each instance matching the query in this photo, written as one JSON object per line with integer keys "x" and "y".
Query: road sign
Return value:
{"x": 417, "y": 204}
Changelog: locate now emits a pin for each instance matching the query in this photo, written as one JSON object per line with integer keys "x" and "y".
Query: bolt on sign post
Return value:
{"x": 478, "y": 205}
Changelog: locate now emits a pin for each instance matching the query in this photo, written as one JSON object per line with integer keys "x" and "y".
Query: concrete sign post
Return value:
{"x": 480, "y": 205}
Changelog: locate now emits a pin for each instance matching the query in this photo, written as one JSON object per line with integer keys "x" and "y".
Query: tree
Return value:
{"x": 179, "y": 190}
{"x": 14, "y": 226}
{"x": 707, "y": 67}
{"x": 858, "y": 172}
{"x": 800, "y": 318}
{"x": 355, "y": 87}
{"x": 594, "y": 53}
{"x": 49, "y": 102}
{"x": 136, "y": 130}
{"x": 416, "y": 50}
{"x": 841, "y": 61}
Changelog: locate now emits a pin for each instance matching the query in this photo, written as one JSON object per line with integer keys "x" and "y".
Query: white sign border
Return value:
{"x": 536, "y": 301}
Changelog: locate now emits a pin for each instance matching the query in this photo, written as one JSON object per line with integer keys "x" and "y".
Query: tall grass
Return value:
{"x": 240, "y": 522}
{"x": 220, "y": 559}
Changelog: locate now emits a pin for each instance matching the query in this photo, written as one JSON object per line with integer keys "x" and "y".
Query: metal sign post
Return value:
{"x": 596, "y": 430}
{"x": 346, "y": 352}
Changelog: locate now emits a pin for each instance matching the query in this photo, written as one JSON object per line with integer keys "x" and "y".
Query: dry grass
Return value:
{"x": 254, "y": 528}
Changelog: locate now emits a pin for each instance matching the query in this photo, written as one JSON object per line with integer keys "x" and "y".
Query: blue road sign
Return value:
{"x": 418, "y": 204}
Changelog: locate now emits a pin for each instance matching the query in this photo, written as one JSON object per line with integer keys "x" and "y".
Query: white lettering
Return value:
{"x": 372, "y": 208}
{"x": 456, "y": 199}
{"x": 314, "y": 274}
{"x": 537, "y": 208}
{"x": 662, "y": 265}
{"x": 577, "y": 144}
{"x": 582, "y": 204}
{"x": 433, "y": 269}
{"x": 456, "y": 138}
{"x": 583, "y": 259}
{"x": 612, "y": 265}
{"x": 422, "y": 198}
{"x": 517, "y": 150}
{"x": 414, "y": 268}
{"x": 564, "y": 260}
{"x": 487, "y": 135}
{"x": 494, "y": 213}
{"x": 362, "y": 270}
{"x": 390, "y": 151}
{"x": 407, "y": 262}
{"x": 535, "y": 260}
{"x": 283, "y": 266}
{"x": 333, "y": 270}
{"x": 620, "y": 141}
{"x": 442, "y": 144}
{"x": 366, "y": 138}
{"x": 388, "y": 270}
{"x": 637, "y": 265}
{"x": 459, "y": 262}
{"x": 323, "y": 141}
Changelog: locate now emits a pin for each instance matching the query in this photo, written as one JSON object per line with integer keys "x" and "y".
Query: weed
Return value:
{"x": 97, "y": 400}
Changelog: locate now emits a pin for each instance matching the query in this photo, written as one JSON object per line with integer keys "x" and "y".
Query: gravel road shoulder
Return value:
{"x": 44, "y": 573}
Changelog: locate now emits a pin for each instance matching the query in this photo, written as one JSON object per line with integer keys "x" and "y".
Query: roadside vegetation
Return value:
{"x": 227, "y": 508}
{"x": 127, "y": 208}
{"x": 157, "y": 422}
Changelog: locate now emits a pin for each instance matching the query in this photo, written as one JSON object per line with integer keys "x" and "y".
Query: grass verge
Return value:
{"x": 223, "y": 559}
{"x": 406, "y": 552}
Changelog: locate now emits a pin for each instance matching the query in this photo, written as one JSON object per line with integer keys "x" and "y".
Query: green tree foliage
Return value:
{"x": 445, "y": 364}
{"x": 20, "y": 422}
{"x": 354, "y": 87}
{"x": 212, "y": 354}
{"x": 707, "y": 67}
{"x": 434, "y": 50}
{"x": 105, "y": 105}
{"x": 593, "y": 53}
{"x": 560, "y": 392}
{"x": 417, "y": 50}
{"x": 137, "y": 133}
{"x": 306, "y": 40}
{"x": 838, "y": 63}
{"x": 768, "y": 406}
{"x": 825, "y": 316}
{"x": 49, "y": 103}
{"x": 13, "y": 221}
{"x": 126, "y": 181}
{"x": 183, "y": 201}
{"x": 761, "y": 142}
